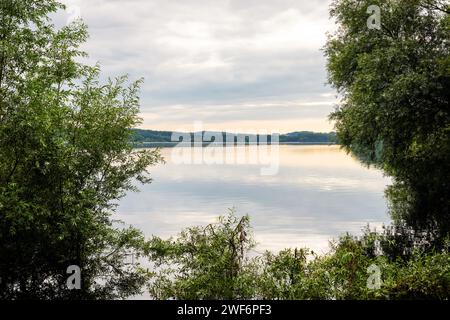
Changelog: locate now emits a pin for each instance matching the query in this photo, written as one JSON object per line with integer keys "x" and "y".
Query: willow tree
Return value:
{"x": 65, "y": 159}
{"x": 394, "y": 111}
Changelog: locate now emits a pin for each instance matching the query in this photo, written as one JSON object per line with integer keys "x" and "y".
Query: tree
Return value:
{"x": 65, "y": 158}
{"x": 394, "y": 113}
{"x": 205, "y": 262}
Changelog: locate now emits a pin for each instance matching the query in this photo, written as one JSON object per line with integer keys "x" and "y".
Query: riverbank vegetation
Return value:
{"x": 218, "y": 261}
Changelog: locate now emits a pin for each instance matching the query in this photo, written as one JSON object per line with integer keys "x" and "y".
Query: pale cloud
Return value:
{"x": 254, "y": 63}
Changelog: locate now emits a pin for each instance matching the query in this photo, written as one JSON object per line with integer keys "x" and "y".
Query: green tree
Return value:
{"x": 394, "y": 83}
{"x": 65, "y": 160}
{"x": 205, "y": 262}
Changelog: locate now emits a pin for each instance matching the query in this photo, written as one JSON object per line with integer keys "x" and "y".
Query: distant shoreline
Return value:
{"x": 142, "y": 145}
{"x": 150, "y": 138}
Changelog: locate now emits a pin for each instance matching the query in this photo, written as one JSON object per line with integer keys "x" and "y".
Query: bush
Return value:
{"x": 216, "y": 262}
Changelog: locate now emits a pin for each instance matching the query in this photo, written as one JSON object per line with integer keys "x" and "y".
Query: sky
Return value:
{"x": 233, "y": 65}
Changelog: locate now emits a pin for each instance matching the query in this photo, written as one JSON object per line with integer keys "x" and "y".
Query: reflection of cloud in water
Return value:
{"x": 310, "y": 201}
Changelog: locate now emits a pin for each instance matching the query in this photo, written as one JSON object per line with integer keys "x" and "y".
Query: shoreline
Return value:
{"x": 142, "y": 145}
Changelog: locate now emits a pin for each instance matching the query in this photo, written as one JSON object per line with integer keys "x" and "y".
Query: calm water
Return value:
{"x": 318, "y": 193}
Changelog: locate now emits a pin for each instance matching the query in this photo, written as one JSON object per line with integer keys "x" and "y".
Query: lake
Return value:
{"x": 315, "y": 194}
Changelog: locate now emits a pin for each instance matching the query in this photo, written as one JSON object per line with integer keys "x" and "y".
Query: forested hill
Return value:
{"x": 307, "y": 137}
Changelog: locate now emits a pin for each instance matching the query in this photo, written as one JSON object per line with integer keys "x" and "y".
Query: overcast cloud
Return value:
{"x": 233, "y": 64}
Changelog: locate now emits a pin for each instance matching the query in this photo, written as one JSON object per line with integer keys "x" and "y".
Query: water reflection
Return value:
{"x": 318, "y": 193}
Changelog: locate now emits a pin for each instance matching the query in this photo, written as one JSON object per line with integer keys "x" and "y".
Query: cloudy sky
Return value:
{"x": 235, "y": 65}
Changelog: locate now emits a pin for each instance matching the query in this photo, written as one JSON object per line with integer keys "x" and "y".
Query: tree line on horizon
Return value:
{"x": 143, "y": 136}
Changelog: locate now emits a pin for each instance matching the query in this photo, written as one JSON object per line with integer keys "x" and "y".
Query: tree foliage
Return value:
{"x": 65, "y": 158}
{"x": 394, "y": 112}
{"x": 204, "y": 262}
{"x": 215, "y": 262}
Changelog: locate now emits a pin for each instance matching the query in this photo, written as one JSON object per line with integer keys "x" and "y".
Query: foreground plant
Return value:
{"x": 204, "y": 262}
{"x": 217, "y": 262}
